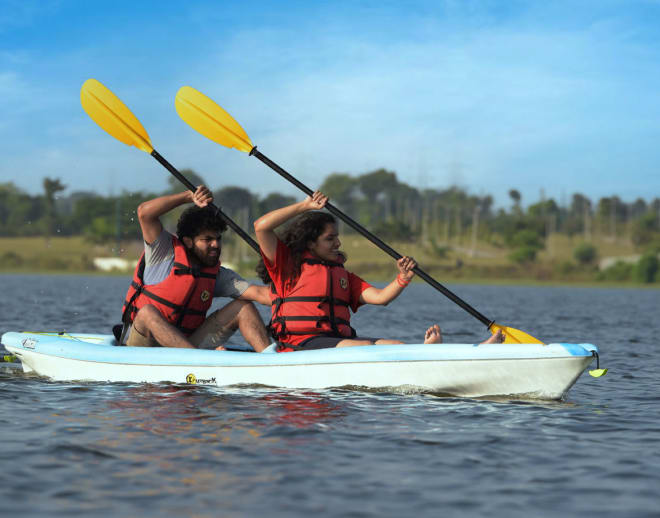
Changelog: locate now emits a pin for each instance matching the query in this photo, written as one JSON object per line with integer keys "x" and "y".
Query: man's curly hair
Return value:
{"x": 300, "y": 231}
{"x": 195, "y": 220}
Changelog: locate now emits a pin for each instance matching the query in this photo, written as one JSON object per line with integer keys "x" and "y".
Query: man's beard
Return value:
{"x": 205, "y": 259}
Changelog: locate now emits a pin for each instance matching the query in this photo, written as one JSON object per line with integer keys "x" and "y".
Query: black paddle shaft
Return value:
{"x": 375, "y": 240}
{"x": 230, "y": 222}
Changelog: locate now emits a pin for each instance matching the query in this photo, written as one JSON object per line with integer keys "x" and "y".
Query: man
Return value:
{"x": 177, "y": 277}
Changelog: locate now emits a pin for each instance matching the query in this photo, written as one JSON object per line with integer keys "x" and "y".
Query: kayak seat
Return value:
{"x": 116, "y": 330}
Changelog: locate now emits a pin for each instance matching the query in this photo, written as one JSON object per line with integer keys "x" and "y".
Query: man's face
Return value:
{"x": 206, "y": 247}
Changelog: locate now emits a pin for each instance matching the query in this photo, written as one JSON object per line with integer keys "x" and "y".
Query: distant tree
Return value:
{"x": 515, "y": 197}
{"x": 51, "y": 187}
{"x": 343, "y": 191}
{"x": 275, "y": 200}
{"x": 18, "y": 211}
{"x": 100, "y": 230}
{"x": 645, "y": 229}
{"x": 176, "y": 186}
{"x": 579, "y": 216}
{"x": 235, "y": 201}
{"x": 646, "y": 269}
{"x": 638, "y": 208}
{"x": 377, "y": 184}
{"x": 395, "y": 230}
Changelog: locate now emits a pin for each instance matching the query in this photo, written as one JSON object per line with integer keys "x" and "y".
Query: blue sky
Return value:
{"x": 491, "y": 95}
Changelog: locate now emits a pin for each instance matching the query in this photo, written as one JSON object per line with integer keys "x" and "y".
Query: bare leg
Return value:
{"x": 223, "y": 323}
{"x": 497, "y": 338}
{"x": 152, "y": 325}
{"x": 433, "y": 335}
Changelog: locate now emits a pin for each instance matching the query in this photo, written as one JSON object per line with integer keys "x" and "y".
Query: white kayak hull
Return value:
{"x": 466, "y": 370}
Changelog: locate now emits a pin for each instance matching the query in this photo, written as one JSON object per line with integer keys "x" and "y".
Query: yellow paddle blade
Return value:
{"x": 514, "y": 336}
{"x": 209, "y": 119}
{"x": 107, "y": 110}
{"x": 597, "y": 373}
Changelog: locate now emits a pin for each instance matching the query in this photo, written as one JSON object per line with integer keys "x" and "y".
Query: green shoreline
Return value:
{"x": 483, "y": 281}
{"x": 74, "y": 256}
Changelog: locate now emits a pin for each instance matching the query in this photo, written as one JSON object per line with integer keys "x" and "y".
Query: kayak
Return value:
{"x": 464, "y": 370}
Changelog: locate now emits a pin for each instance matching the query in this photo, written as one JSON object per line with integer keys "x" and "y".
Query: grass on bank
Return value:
{"x": 456, "y": 262}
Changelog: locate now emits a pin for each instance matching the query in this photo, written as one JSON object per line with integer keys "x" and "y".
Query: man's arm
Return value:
{"x": 149, "y": 212}
{"x": 260, "y": 294}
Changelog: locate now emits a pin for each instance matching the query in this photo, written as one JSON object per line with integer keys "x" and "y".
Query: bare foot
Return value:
{"x": 497, "y": 338}
{"x": 220, "y": 348}
{"x": 433, "y": 335}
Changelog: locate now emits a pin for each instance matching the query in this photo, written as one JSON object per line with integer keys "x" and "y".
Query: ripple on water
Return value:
{"x": 153, "y": 450}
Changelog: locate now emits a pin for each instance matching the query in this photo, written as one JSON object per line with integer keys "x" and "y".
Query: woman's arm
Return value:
{"x": 265, "y": 226}
{"x": 384, "y": 296}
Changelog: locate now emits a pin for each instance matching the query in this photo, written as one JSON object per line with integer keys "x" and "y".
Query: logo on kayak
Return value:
{"x": 343, "y": 283}
{"x": 205, "y": 296}
{"x": 29, "y": 343}
{"x": 193, "y": 380}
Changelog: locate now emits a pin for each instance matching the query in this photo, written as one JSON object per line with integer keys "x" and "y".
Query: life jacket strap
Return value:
{"x": 195, "y": 271}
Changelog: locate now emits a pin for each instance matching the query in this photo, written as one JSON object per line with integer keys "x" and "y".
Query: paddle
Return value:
{"x": 107, "y": 110}
{"x": 209, "y": 119}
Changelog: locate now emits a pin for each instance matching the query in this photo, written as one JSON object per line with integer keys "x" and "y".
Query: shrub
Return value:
{"x": 585, "y": 253}
{"x": 646, "y": 269}
{"x": 527, "y": 243}
{"x": 565, "y": 267}
{"x": 440, "y": 251}
{"x": 524, "y": 254}
{"x": 395, "y": 230}
{"x": 527, "y": 238}
{"x": 11, "y": 260}
{"x": 619, "y": 271}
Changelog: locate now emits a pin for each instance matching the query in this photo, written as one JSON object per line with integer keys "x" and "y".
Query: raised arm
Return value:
{"x": 265, "y": 226}
{"x": 149, "y": 212}
{"x": 384, "y": 296}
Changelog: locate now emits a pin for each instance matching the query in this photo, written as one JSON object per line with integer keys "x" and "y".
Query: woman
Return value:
{"x": 312, "y": 292}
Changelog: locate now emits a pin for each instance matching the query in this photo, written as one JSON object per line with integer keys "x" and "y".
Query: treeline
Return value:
{"x": 392, "y": 209}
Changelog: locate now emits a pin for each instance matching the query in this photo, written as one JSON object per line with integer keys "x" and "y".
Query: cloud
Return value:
{"x": 488, "y": 94}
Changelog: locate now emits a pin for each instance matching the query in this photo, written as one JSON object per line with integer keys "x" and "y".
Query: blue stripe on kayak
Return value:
{"x": 98, "y": 348}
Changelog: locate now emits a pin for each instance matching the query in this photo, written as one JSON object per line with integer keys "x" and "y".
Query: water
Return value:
{"x": 172, "y": 450}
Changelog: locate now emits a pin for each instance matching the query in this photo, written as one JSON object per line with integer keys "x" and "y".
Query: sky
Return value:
{"x": 549, "y": 98}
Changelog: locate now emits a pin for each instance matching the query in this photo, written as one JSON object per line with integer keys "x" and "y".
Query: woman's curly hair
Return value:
{"x": 296, "y": 235}
{"x": 195, "y": 220}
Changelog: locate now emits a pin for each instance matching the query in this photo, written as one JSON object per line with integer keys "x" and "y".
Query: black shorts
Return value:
{"x": 326, "y": 342}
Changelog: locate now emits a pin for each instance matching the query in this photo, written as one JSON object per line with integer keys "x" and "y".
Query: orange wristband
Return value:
{"x": 402, "y": 283}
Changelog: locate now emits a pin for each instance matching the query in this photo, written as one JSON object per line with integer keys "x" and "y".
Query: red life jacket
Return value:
{"x": 318, "y": 303}
{"x": 183, "y": 297}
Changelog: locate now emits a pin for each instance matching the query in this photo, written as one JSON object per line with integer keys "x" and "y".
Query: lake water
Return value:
{"x": 103, "y": 449}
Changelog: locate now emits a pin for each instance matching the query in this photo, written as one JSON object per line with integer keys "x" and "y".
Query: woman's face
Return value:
{"x": 327, "y": 245}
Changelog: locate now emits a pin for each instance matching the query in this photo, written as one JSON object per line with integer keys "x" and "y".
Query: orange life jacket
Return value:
{"x": 183, "y": 297}
{"x": 318, "y": 303}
